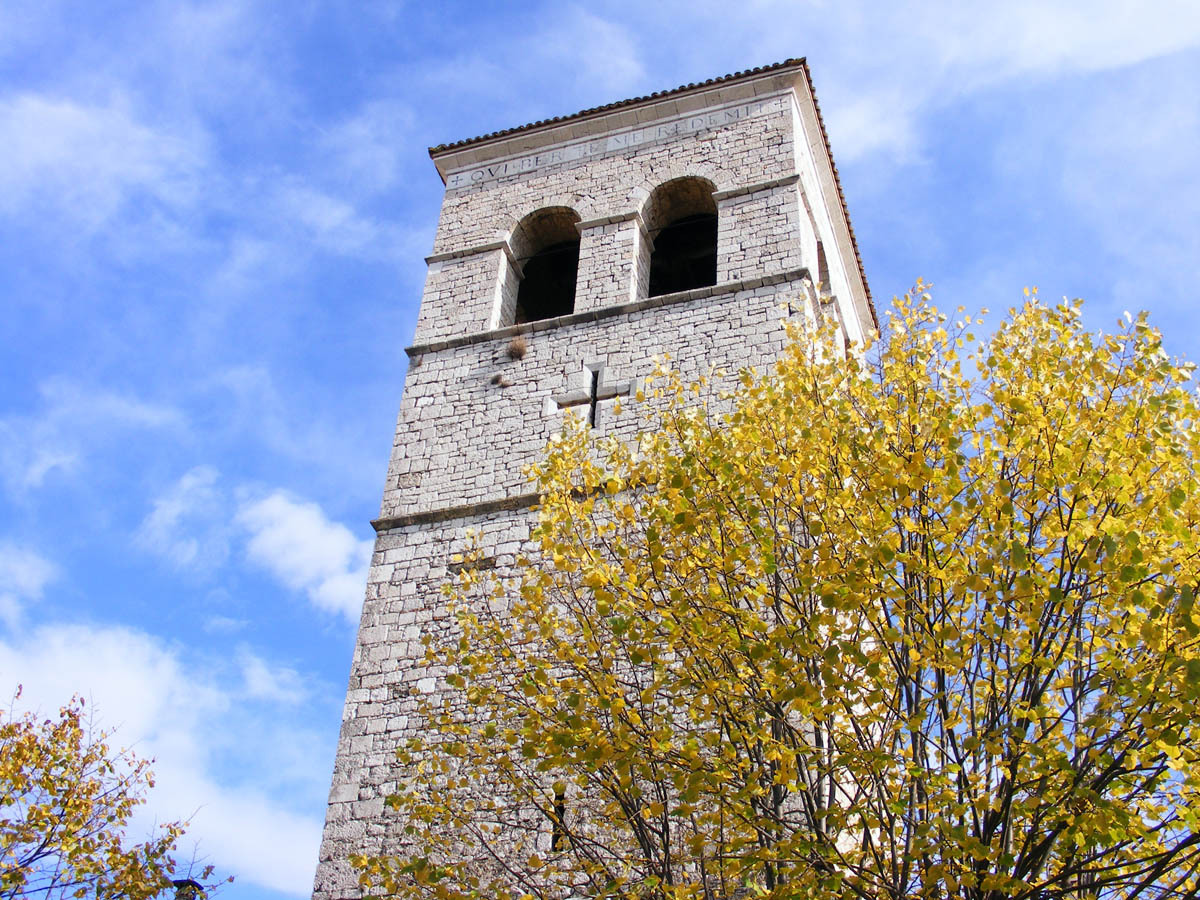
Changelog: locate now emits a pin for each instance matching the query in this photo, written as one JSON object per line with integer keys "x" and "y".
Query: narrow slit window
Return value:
{"x": 558, "y": 830}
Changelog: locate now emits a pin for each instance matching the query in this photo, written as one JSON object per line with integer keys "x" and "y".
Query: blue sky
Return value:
{"x": 212, "y": 224}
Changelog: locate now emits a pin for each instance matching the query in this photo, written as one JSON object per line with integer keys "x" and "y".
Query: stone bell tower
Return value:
{"x": 569, "y": 253}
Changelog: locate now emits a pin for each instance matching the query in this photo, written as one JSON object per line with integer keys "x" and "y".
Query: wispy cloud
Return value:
{"x": 185, "y": 525}
{"x": 587, "y": 48}
{"x": 223, "y": 624}
{"x": 276, "y": 684}
{"x": 85, "y": 163}
{"x": 248, "y": 262}
{"x": 881, "y": 69}
{"x": 569, "y": 57}
{"x": 366, "y": 151}
{"x": 333, "y": 224}
{"x": 306, "y": 551}
{"x": 24, "y": 575}
{"x": 71, "y": 422}
{"x": 1136, "y": 187}
{"x": 1036, "y": 37}
{"x": 193, "y": 521}
{"x": 276, "y": 413}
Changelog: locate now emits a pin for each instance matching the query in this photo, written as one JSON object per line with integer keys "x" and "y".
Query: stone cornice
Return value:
{"x": 475, "y": 251}
{"x": 632, "y": 216}
{"x": 755, "y": 188}
{"x": 608, "y": 312}
{"x": 463, "y": 511}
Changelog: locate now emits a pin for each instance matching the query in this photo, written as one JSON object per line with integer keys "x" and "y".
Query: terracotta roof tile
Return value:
{"x": 609, "y": 107}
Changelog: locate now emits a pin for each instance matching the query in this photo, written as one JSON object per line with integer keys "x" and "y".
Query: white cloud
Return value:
{"x": 368, "y": 149}
{"x": 331, "y": 223}
{"x": 41, "y": 461}
{"x": 257, "y": 404}
{"x": 182, "y": 525}
{"x": 73, "y": 420}
{"x": 85, "y": 162}
{"x": 250, "y": 262}
{"x": 262, "y": 681}
{"x": 868, "y": 123}
{"x": 217, "y": 58}
{"x": 24, "y": 575}
{"x": 223, "y": 624}
{"x": 321, "y": 220}
{"x": 600, "y": 54}
{"x": 1051, "y": 38}
{"x": 66, "y": 398}
{"x": 300, "y": 546}
{"x": 1128, "y": 172}
{"x": 251, "y": 401}
{"x": 569, "y": 52}
{"x": 881, "y": 68}
{"x": 201, "y": 721}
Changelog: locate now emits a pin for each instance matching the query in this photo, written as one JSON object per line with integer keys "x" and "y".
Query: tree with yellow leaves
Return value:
{"x": 919, "y": 622}
{"x": 65, "y": 801}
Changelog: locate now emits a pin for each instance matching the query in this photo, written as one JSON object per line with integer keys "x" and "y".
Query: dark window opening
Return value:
{"x": 685, "y": 255}
{"x": 558, "y": 833}
{"x": 548, "y": 284}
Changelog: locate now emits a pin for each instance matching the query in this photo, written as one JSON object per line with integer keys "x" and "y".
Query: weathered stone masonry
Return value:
{"x": 473, "y": 415}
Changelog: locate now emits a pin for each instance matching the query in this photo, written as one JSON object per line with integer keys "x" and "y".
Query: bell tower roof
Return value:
{"x": 510, "y": 144}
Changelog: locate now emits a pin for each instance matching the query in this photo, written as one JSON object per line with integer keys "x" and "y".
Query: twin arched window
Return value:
{"x": 681, "y": 223}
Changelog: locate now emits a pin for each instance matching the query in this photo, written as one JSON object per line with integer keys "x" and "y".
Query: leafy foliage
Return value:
{"x": 919, "y": 623}
{"x": 65, "y": 800}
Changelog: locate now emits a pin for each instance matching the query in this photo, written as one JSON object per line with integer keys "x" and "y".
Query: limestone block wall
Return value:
{"x": 641, "y": 271}
{"x": 476, "y": 410}
{"x": 472, "y": 418}
{"x": 761, "y": 231}
{"x": 463, "y": 438}
{"x": 742, "y": 152}
{"x": 403, "y": 603}
{"x": 461, "y": 293}
{"x": 821, "y": 203}
{"x": 471, "y": 285}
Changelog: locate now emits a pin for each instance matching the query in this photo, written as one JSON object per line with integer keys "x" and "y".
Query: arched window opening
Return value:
{"x": 546, "y": 245}
{"x": 682, "y": 221}
{"x": 685, "y": 255}
{"x": 548, "y": 288}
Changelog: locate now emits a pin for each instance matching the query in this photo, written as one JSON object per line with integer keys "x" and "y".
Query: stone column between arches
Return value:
{"x": 608, "y": 256}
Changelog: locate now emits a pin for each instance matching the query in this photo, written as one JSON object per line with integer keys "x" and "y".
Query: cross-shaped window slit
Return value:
{"x": 597, "y": 391}
{"x": 558, "y": 826}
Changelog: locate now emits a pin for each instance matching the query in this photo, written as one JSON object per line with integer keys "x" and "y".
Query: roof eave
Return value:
{"x": 559, "y": 129}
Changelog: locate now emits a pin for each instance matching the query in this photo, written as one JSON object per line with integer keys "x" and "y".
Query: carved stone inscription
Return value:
{"x": 616, "y": 142}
